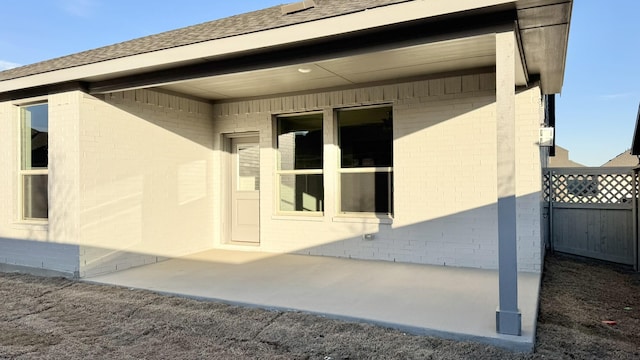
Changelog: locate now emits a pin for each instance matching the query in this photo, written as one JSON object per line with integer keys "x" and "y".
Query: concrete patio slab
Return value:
{"x": 454, "y": 303}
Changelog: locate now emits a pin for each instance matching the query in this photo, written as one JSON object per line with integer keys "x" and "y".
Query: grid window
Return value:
{"x": 34, "y": 163}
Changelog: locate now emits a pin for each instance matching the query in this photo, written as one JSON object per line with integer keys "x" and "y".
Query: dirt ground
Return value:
{"x": 44, "y": 318}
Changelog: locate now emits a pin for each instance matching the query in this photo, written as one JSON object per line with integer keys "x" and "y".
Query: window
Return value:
{"x": 248, "y": 167}
{"x": 365, "y": 138}
{"x": 34, "y": 151}
{"x": 299, "y": 172}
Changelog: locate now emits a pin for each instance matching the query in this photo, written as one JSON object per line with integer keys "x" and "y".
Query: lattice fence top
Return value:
{"x": 588, "y": 187}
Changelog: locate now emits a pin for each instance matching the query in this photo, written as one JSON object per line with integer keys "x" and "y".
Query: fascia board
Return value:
{"x": 635, "y": 145}
{"x": 362, "y": 20}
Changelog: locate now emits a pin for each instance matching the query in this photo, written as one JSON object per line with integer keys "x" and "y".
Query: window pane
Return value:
{"x": 248, "y": 167}
{"x": 367, "y": 192}
{"x": 34, "y": 194}
{"x": 366, "y": 137}
{"x": 301, "y": 192}
{"x": 300, "y": 142}
{"x": 34, "y": 125}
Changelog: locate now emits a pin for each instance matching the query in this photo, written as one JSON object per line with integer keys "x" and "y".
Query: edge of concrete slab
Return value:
{"x": 524, "y": 344}
{"x": 537, "y": 312}
{"x": 30, "y": 270}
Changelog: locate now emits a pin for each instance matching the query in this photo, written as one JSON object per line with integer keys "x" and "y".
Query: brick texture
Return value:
{"x": 139, "y": 176}
{"x": 40, "y": 246}
{"x": 444, "y": 175}
{"x": 145, "y": 179}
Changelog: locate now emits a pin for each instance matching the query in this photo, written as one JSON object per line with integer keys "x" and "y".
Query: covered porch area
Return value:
{"x": 449, "y": 302}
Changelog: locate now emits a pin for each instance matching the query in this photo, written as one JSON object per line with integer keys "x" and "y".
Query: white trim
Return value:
{"x": 371, "y": 105}
{"x": 37, "y": 171}
{"x": 294, "y": 114}
{"x": 34, "y": 225}
{"x": 31, "y": 101}
{"x": 300, "y": 172}
{"x": 287, "y": 214}
{"x": 365, "y": 170}
{"x": 226, "y": 183}
{"x": 299, "y": 216}
{"x": 344, "y": 216}
{"x": 371, "y": 18}
{"x": 21, "y": 173}
{"x": 363, "y": 218}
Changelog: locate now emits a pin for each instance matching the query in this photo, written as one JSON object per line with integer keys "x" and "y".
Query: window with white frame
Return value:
{"x": 34, "y": 151}
{"x": 365, "y": 139}
{"x": 300, "y": 160}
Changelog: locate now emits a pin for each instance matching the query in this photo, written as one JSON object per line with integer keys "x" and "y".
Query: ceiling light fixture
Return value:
{"x": 304, "y": 70}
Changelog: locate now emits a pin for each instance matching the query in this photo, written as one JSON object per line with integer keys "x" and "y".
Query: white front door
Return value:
{"x": 245, "y": 190}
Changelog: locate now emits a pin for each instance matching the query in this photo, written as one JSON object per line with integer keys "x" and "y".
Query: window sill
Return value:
{"x": 363, "y": 218}
{"x": 302, "y": 217}
{"x": 31, "y": 225}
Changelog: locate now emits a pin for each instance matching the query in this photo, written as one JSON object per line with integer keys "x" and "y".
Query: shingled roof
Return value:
{"x": 260, "y": 20}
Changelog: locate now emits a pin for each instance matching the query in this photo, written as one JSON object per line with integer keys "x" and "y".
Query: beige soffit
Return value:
{"x": 370, "y": 18}
{"x": 468, "y": 53}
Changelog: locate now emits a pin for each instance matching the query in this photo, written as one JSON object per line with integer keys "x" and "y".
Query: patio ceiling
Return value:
{"x": 377, "y": 66}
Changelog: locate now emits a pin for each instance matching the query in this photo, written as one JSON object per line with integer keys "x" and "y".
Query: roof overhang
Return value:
{"x": 416, "y": 37}
{"x": 544, "y": 31}
{"x": 635, "y": 146}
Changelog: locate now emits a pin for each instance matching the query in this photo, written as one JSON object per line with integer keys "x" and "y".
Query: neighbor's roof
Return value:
{"x": 623, "y": 159}
{"x": 561, "y": 159}
{"x": 260, "y": 20}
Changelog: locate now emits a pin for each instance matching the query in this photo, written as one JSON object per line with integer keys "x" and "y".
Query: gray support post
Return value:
{"x": 634, "y": 211}
{"x": 508, "y": 317}
{"x": 552, "y": 193}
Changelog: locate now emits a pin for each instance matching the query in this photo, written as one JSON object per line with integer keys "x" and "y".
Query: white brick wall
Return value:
{"x": 444, "y": 174}
{"x": 40, "y": 246}
{"x": 64, "y": 166}
{"x": 145, "y": 179}
{"x": 138, "y": 176}
{"x": 129, "y": 183}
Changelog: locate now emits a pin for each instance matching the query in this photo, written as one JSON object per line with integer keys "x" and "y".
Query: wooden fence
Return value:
{"x": 592, "y": 212}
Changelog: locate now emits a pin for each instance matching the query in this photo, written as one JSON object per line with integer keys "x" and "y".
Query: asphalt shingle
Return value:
{"x": 260, "y": 20}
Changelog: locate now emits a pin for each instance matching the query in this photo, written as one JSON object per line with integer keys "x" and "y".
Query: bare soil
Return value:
{"x": 45, "y": 318}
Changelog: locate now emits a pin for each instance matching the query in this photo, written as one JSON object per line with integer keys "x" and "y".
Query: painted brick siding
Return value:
{"x": 31, "y": 256}
{"x": 530, "y": 116}
{"x": 64, "y": 165}
{"x": 444, "y": 175}
{"x": 41, "y": 246}
{"x": 145, "y": 179}
{"x": 139, "y": 176}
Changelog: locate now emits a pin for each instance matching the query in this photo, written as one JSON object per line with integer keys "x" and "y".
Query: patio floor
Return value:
{"x": 454, "y": 303}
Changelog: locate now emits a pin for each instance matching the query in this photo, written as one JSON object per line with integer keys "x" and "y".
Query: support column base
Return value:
{"x": 509, "y": 322}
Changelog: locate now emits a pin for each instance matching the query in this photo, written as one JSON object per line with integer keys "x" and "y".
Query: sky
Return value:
{"x": 596, "y": 111}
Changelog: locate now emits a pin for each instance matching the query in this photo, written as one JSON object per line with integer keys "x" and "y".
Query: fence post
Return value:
{"x": 551, "y": 197}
